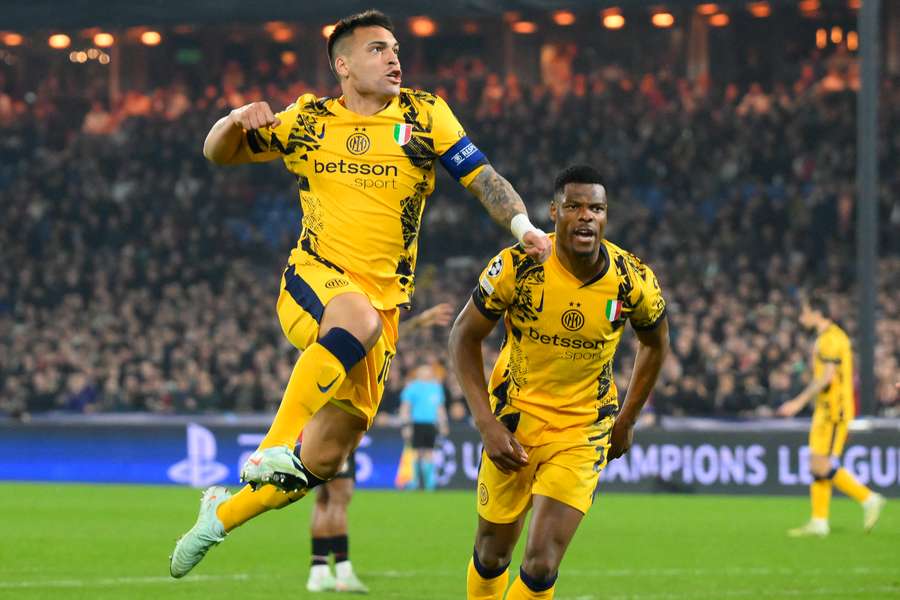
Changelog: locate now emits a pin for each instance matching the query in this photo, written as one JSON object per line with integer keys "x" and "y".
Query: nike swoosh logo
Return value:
{"x": 324, "y": 389}
{"x": 540, "y": 307}
{"x": 322, "y": 135}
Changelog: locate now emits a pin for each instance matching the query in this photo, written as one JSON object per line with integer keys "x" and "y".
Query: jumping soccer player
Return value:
{"x": 832, "y": 389}
{"x": 365, "y": 164}
{"x": 549, "y": 420}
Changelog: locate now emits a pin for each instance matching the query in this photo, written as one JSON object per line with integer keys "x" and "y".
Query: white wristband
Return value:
{"x": 520, "y": 225}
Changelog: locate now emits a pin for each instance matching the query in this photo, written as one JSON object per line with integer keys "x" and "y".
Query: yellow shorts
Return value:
{"x": 565, "y": 471}
{"x": 827, "y": 437}
{"x": 306, "y": 288}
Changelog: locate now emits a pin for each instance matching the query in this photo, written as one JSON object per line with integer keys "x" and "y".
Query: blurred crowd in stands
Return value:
{"x": 139, "y": 278}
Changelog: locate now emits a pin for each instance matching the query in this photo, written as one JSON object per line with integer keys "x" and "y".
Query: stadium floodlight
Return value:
{"x": 326, "y": 31}
{"x": 612, "y": 18}
{"x": 288, "y": 58}
{"x": 59, "y": 41}
{"x": 809, "y": 8}
{"x": 662, "y": 20}
{"x": 707, "y": 9}
{"x": 719, "y": 20}
{"x": 524, "y": 27}
{"x": 760, "y": 10}
{"x": 422, "y": 26}
{"x": 837, "y": 35}
{"x": 852, "y": 41}
{"x": 12, "y": 39}
{"x": 564, "y": 18}
{"x": 282, "y": 36}
{"x": 104, "y": 40}
{"x": 151, "y": 38}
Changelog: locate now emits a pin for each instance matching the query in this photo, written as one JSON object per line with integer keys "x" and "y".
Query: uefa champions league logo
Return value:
{"x": 200, "y": 468}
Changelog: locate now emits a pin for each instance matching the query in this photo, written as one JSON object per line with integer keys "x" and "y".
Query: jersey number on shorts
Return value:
{"x": 385, "y": 367}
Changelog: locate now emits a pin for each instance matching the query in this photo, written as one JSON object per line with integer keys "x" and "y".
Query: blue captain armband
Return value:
{"x": 462, "y": 158}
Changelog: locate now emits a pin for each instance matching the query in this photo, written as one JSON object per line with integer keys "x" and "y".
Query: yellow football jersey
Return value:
{"x": 556, "y": 364}
{"x": 836, "y": 401}
{"x": 364, "y": 180}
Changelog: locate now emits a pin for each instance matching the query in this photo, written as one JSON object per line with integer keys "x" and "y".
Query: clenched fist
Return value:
{"x": 254, "y": 115}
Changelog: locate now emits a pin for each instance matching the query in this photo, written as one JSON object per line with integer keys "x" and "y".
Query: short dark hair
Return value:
{"x": 577, "y": 174}
{"x": 818, "y": 304}
{"x": 347, "y": 25}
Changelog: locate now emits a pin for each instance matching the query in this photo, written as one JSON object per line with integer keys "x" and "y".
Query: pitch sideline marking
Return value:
{"x": 114, "y": 581}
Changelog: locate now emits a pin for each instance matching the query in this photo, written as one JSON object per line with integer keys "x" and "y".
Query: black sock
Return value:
{"x": 340, "y": 547}
{"x": 320, "y": 547}
{"x": 312, "y": 479}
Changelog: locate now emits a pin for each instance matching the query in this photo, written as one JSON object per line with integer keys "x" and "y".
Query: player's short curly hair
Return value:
{"x": 577, "y": 174}
{"x": 346, "y": 26}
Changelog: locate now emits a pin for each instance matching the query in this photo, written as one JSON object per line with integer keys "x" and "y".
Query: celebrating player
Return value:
{"x": 365, "y": 164}
{"x": 832, "y": 389}
{"x": 549, "y": 422}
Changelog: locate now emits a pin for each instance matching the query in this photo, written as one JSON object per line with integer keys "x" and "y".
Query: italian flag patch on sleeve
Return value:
{"x": 402, "y": 133}
{"x": 613, "y": 310}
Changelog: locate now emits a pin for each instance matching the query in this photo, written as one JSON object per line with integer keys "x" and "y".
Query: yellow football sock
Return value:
{"x": 479, "y": 588}
{"x": 519, "y": 591}
{"x": 316, "y": 377}
{"x": 247, "y": 504}
{"x": 848, "y": 484}
{"x": 820, "y": 494}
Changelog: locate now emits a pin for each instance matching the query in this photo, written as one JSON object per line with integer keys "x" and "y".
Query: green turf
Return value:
{"x": 92, "y": 542}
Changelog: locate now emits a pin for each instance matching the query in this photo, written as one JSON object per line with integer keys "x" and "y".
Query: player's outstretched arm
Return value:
{"x": 467, "y": 362}
{"x": 815, "y": 387}
{"x": 505, "y": 206}
{"x": 223, "y": 142}
{"x": 439, "y": 315}
{"x": 653, "y": 346}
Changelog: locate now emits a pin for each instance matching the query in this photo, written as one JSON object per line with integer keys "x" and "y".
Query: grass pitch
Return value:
{"x": 112, "y": 542}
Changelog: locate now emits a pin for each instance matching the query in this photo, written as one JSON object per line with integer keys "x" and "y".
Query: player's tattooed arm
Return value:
{"x": 497, "y": 195}
{"x": 503, "y": 203}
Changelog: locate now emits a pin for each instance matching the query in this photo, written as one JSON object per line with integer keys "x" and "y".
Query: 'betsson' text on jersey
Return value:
{"x": 569, "y": 343}
{"x": 345, "y": 167}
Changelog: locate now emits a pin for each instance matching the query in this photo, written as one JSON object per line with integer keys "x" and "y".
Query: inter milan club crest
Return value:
{"x": 358, "y": 142}
{"x": 613, "y": 310}
{"x": 402, "y": 133}
{"x": 573, "y": 319}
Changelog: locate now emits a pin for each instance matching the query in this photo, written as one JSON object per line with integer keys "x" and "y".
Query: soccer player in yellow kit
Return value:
{"x": 365, "y": 164}
{"x": 831, "y": 388}
{"x": 551, "y": 419}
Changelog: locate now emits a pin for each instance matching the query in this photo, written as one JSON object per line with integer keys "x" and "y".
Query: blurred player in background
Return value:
{"x": 831, "y": 388}
{"x": 328, "y": 524}
{"x": 549, "y": 420}
{"x": 423, "y": 413}
{"x": 365, "y": 165}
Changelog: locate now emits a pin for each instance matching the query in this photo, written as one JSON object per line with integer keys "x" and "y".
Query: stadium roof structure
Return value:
{"x": 40, "y": 14}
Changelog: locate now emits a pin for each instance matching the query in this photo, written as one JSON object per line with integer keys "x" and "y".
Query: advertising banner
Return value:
{"x": 199, "y": 454}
